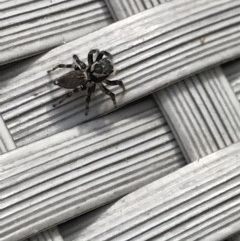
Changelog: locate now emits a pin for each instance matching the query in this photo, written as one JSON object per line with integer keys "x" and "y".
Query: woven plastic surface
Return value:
{"x": 174, "y": 153}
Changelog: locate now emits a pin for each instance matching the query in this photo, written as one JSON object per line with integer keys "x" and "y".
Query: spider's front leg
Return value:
{"x": 108, "y": 92}
{"x": 99, "y": 55}
{"x": 104, "y": 53}
{"x": 79, "y": 63}
{"x": 90, "y": 56}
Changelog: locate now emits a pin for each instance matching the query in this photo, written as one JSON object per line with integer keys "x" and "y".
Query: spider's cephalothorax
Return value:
{"x": 100, "y": 67}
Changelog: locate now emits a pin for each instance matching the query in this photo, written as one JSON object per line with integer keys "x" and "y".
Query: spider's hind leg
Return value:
{"x": 68, "y": 95}
{"x": 115, "y": 82}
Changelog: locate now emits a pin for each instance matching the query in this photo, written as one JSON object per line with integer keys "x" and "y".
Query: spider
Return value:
{"x": 84, "y": 76}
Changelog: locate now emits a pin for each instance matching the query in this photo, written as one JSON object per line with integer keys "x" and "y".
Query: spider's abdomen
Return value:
{"x": 72, "y": 79}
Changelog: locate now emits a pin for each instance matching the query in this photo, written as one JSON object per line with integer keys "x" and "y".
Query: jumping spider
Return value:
{"x": 88, "y": 76}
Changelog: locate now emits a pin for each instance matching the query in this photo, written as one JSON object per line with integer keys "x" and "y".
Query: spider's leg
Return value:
{"x": 91, "y": 89}
{"x": 90, "y": 56}
{"x": 115, "y": 82}
{"x": 70, "y": 66}
{"x": 104, "y": 53}
{"x": 108, "y": 92}
{"x": 83, "y": 87}
{"x": 68, "y": 95}
{"x": 78, "y": 62}
{"x": 77, "y": 89}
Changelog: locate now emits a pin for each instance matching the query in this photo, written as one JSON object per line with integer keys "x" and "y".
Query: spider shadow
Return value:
{"x": 77, "y": 102}
{"x": 96, "y": 118}
{"x": 108, "y": 121}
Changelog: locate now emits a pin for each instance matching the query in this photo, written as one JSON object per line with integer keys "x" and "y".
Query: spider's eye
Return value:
{"x": 108, "y": 69}
{"x": 98, "y": 68}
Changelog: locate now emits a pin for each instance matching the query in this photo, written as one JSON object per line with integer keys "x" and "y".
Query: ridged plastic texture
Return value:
{"x": 232, "y": 71}
{"x": 203, "y": 112}
{"x": 49, "y": 235}
{"x": 234, "y": 238}
{"x": 121, "y": 9}
{"x": 6, "y": 141}
{"x": 31, "y": 27}
{"x": 7, "y": 144}
{"x": 155, "y": 50}
{"x": 72, "y": 230}
{"x": 198, "y": 202}
{"x": 52, "y": 180}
